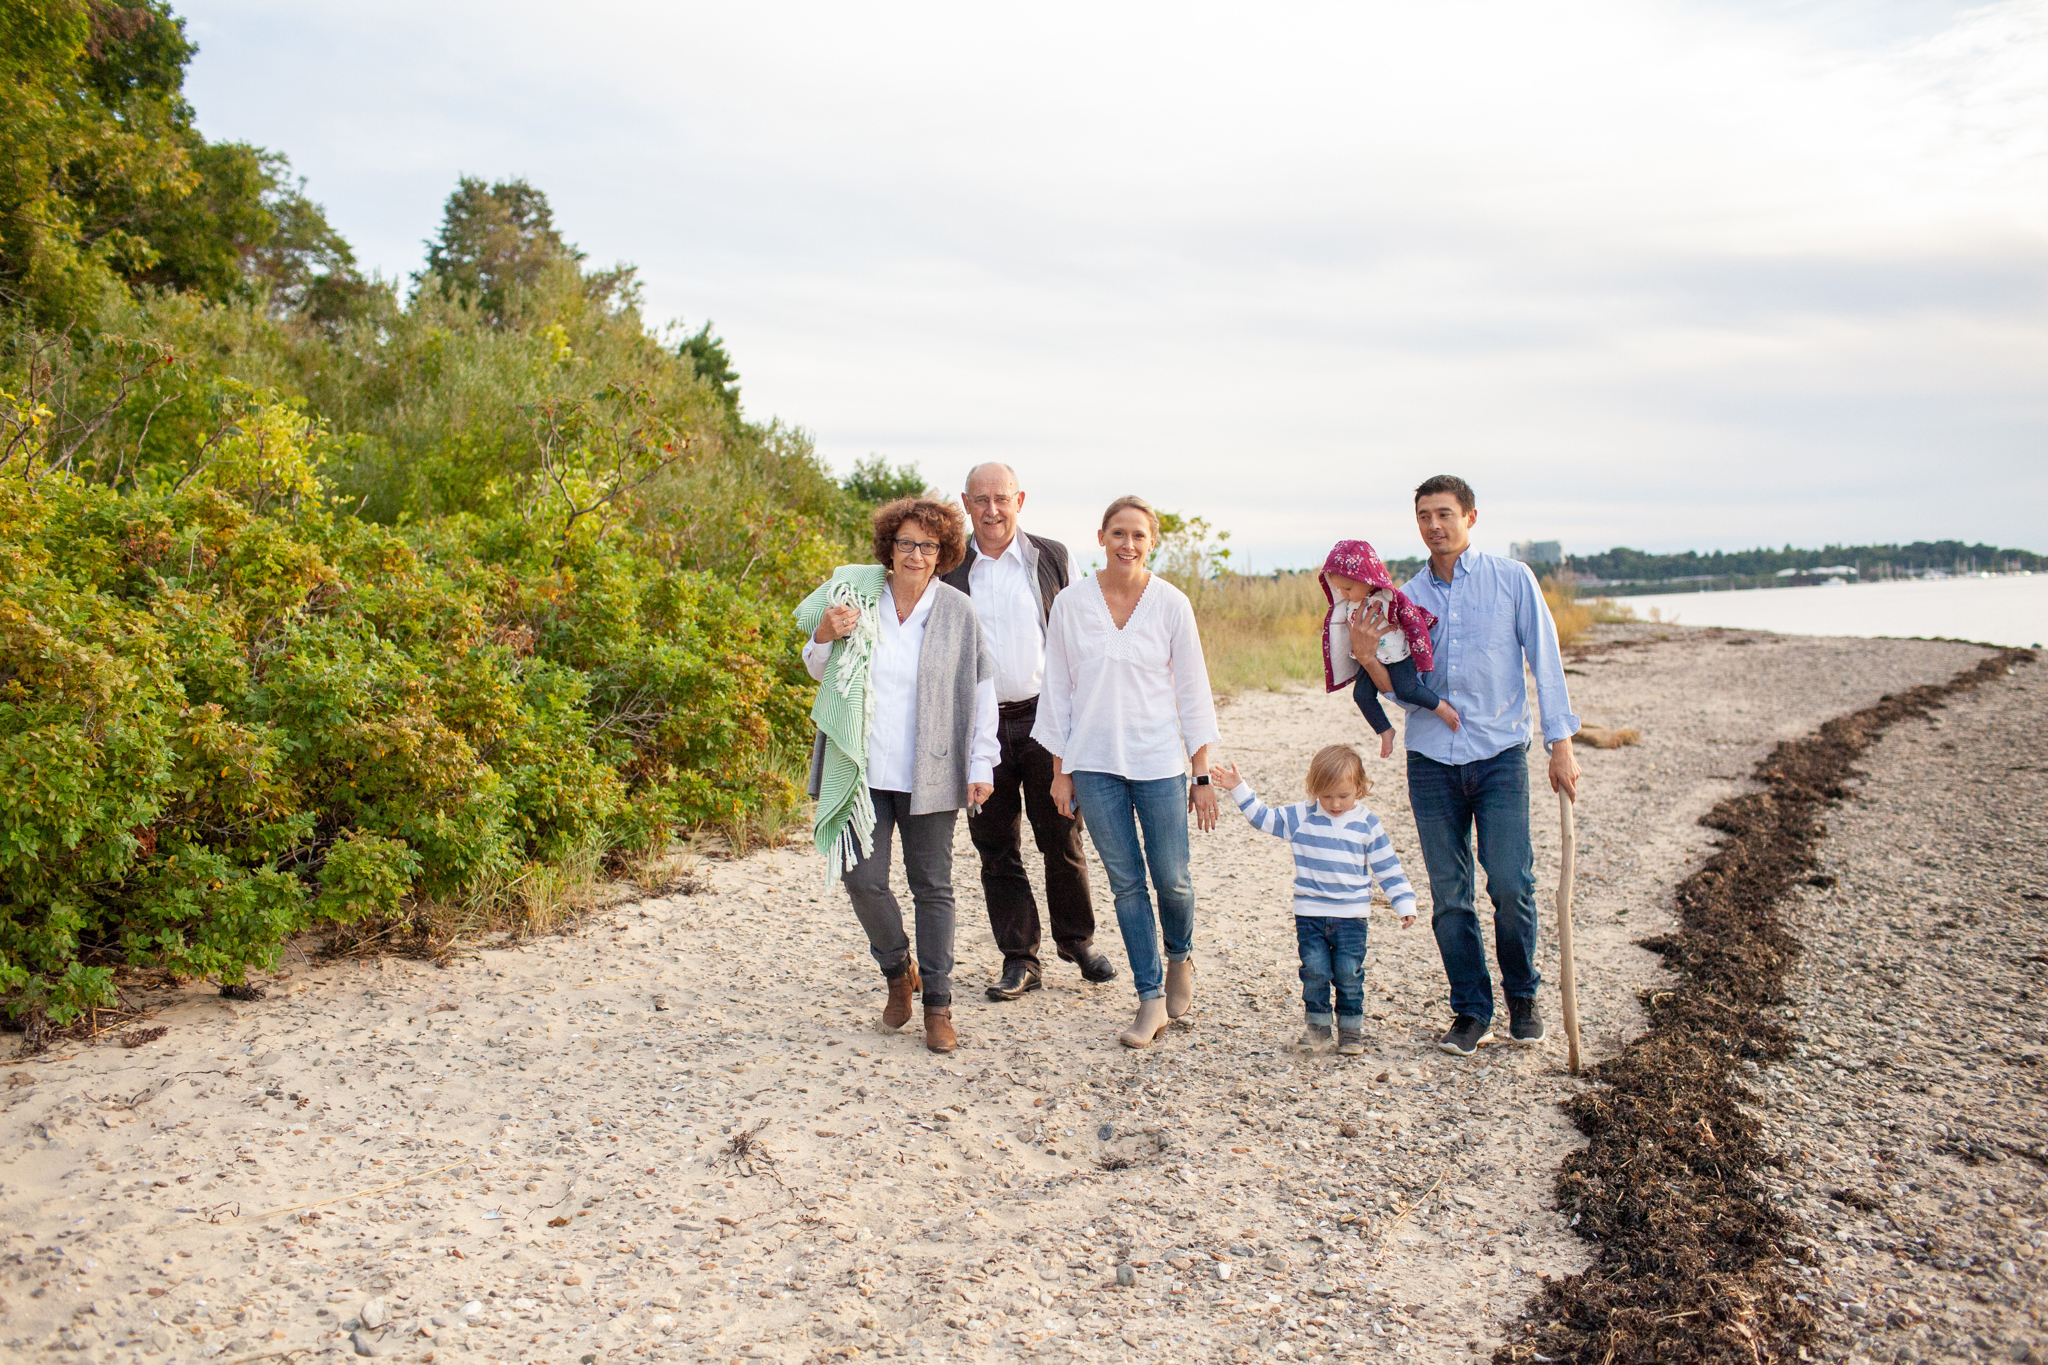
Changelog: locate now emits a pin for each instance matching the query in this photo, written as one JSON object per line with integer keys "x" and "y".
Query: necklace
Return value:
{"x": 902, "y": 612}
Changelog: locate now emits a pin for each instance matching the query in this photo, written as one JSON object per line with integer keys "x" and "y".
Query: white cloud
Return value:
{"x": 1661, "y": 274}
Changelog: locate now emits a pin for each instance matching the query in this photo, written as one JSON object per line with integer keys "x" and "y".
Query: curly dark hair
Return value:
{"x": 941, "y": 519}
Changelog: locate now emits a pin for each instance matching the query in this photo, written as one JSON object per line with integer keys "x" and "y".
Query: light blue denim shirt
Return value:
{"x": 1488, "y": 618}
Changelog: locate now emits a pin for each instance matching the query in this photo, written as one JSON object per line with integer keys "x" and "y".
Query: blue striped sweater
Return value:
{"x": 1338, "y": 859}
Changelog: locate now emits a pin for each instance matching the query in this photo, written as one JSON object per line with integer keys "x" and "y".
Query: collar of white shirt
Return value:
{"x": 1020, "y": 549}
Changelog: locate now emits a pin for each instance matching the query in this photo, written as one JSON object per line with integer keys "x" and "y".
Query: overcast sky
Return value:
{"x": 1657, "y": 274}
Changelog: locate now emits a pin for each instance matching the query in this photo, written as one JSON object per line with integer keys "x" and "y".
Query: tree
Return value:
{"x": 874, "y": 481}
{"x": 498, "y": 246}
{"x": 105, "y": 181}
{"x": 707, "y": 355}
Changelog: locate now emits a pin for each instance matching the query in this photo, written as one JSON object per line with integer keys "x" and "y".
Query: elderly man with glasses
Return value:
{"x": 1013, "y": 577}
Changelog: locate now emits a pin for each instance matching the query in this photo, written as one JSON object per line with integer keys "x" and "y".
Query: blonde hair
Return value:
{"x": 1128, "y": 503}
{"x": 1333, "y": 764}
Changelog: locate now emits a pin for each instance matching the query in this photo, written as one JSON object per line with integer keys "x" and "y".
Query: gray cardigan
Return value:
{"x": 951, "y": 663}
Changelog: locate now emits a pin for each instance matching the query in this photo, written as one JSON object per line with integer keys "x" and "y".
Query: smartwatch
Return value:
{"x": 1202, "y": 779}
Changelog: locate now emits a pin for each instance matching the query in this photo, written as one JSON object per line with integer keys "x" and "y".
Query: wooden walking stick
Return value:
{"x": 1567, "y": 977}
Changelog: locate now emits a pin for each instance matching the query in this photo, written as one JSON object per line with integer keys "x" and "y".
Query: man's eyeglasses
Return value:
{"x": 918, "y": 547}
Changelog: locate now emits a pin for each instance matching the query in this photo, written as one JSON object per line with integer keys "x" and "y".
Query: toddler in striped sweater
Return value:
{"x": 1340, "y": 853}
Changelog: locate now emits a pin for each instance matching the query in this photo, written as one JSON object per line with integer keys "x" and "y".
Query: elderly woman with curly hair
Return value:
{"x": 906, "y": 717}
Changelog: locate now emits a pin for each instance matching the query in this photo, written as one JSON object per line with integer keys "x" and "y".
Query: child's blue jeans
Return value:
{"x": 1332, "y": 956}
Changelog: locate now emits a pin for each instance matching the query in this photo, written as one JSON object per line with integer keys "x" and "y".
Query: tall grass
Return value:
{"x": 1259, "y": 633}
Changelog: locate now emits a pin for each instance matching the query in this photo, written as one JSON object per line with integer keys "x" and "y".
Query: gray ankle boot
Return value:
{"x": 1314, "y": 1037}
{"x": 1350, "y": 1041}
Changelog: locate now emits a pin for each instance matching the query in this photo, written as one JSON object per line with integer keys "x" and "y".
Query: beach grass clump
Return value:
{"x": 1572, "y": 617}
{"x": 1259, "y": 632}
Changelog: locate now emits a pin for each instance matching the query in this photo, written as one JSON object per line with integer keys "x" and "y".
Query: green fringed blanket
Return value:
{"x": 845, "y": 829}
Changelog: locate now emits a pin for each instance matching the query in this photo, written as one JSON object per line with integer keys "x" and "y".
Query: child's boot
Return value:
{"x": 1315, "y": 1035}
{"x": 1350, "y": 1041}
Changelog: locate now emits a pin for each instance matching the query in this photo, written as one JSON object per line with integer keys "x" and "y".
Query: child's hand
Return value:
{"x": 1448, "y": 714}
{"x": 1386, "y": 744}
{"x": 1224, "y": 776}
{"x": 1407, "y": 920}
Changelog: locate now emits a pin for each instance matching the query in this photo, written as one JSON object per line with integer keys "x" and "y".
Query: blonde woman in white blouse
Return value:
{"x": 1126, "y": 710}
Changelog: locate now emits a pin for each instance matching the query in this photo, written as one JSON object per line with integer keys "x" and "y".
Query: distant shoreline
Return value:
{"x": 1763, "y": 582}
{"x": 1998, "y": 609}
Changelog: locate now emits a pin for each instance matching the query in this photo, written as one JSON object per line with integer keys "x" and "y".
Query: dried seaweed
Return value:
{"x": 1694, "y": 1259}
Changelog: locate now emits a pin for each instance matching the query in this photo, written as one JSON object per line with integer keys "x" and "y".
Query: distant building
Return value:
{"x": 1534, "y": 552}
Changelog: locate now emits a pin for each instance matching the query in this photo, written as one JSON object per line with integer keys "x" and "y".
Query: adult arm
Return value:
{"x": 837, "y": 621}
{"x": 1196, "y": 706}
{"x": 1192, "y": 698}
{"x": 1368, "y": 628}
{"x": 1055, "y": 719}
{"x": 1537, "y": 635}
{"x": 986, "y": 749}
{"x": 1202, "y": 795}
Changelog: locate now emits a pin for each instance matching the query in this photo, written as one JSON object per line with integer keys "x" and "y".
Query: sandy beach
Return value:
{"x": 677, "y": 1134}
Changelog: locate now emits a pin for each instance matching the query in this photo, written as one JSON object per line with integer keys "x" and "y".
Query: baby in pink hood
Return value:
{"x": 1358, "y": 584}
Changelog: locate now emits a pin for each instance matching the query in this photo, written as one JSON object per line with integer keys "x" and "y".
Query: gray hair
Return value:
{"x": 989, "y": 464}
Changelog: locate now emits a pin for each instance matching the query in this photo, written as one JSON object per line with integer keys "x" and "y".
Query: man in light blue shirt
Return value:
{"x": 1490, "y": 617}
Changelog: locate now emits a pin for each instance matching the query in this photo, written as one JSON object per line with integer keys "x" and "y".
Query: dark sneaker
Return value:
{"x": 1463, "y": 1039}
{"x": 1525, "y": 1024}
{"x": 1350, "y": 1041}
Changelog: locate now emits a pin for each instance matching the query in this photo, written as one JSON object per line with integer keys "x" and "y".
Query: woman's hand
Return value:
{"x": 1202, "y": 801}
{"x": 1063, "y": 793}
{"x": 839, "y": 621}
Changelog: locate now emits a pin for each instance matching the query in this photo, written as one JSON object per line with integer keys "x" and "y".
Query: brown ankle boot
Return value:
{"x": 896, "y": 1013}
{"x": 938, "y": 1029}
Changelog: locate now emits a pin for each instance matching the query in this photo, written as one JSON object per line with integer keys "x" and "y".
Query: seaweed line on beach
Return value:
{"x": 1695, "y": 1261}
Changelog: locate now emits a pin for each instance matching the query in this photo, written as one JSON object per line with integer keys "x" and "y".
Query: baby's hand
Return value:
{"x": 1224, "y": 776}
{"x": 1407, "y": 919}
{"x": 1448, "y": 714}
{"x": 1386, "y": 744}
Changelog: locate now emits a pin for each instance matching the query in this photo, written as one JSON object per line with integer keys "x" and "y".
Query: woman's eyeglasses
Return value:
{"x": 918, "y": 547}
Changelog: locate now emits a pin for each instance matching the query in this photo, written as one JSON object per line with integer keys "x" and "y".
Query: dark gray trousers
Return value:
{"x": 928, "y": 867}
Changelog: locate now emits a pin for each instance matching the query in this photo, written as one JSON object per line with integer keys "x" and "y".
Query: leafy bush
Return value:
{"x": 328, "y": 602}
{"x": 228, "y": 710}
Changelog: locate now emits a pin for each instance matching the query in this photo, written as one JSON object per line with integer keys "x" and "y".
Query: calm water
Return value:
{"x": 2001, "y": 611}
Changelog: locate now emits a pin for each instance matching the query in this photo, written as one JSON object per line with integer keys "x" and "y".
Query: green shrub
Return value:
{"x": 229, "y": 711}
{"x": 403, "y": 610}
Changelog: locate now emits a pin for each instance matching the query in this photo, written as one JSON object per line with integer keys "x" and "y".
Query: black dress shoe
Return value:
{"x": 1018, "y": 977}
{"x": 1095, "y": 967}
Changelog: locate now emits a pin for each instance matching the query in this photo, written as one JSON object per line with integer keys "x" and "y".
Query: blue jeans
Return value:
{"x": 1332, "y": 954}
{"x": 1115, "y": 810}
{"x": 1448, "y": 799}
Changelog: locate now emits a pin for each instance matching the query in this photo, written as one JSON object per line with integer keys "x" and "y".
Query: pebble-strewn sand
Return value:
{"x": 517, "y": 1158}
{"x": 1915, "y": 1118}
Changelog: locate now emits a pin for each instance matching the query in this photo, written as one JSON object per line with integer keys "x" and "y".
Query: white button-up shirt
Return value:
{"x": 1005, "y": 592}
{"x": 892, "y": 677}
